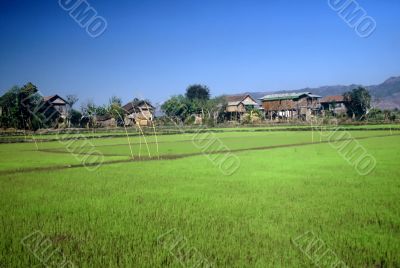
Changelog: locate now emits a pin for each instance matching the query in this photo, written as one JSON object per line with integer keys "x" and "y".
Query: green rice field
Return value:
{"x": 111, "y": 201}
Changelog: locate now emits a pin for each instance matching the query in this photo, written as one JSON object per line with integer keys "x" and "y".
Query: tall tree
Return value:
{"x": 198, "y": 92}
{"x": 115, "y": 110}
{"x": 115, "y": 100}
{"x": 72, "y": 99}
{"x": 75, "y": 118}
{"x": 29, "y": 101}
{"x": 177, "y": 107}
{"x": 214, "y": 110}
{"x": 88, "y": 109}
{"x": 358, "y": 102}
{"x": 10, "y": 116}
{"x": 23, "y": 108}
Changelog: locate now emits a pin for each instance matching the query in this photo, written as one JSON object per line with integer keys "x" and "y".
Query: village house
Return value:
{"x": 239, "y": 105}
{"x": 291, "y": 105}
{"x": 334, "y": 105}
{"x": 58, "y": 104}
{"x": 138, "y": 112}
{"x": 105, "y": 121}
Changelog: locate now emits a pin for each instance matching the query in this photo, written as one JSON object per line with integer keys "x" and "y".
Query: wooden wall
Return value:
{"x": 236, "y": 109}
{"x": 284, "y": 105}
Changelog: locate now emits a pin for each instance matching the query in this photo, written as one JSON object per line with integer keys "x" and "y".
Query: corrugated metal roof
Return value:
{"x": 285, "y": 96}
{"x": 288, "y": 96}
{"x": 314, "y": 96}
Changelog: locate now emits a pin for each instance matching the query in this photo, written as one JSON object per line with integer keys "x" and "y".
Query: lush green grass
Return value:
{"x": 114, "y": 215}
{"x": 173, "y": 129}
{"x": 70, "y": 152}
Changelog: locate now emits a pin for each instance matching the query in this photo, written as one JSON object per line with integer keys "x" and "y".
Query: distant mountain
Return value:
{"x": 385, "y": 95}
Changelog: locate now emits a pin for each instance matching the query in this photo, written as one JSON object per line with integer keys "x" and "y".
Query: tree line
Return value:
{"x": 359, "y": 107}
{"x": 196, "y": 101}
{"x": 22, "y": 108}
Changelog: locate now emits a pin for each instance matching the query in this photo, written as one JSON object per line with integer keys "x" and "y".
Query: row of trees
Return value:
{"x": 359, "y": 107}
{"x": 21, "y": 108}
{"x": 196, "y": 101}
{"x": 377, "y": 114}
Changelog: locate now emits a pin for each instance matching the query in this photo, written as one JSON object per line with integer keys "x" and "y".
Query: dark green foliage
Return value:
{"x": 177, "y": 107}
{"x": 376, "y": 114}
{"x": 196, "y": 102}
{"x": 393, "y": 116}
{"x": 114, "y": 108}
{"x": 379, "y": 115}
{"x": 358, "y": 102}
{"x": 75, "y": 118}
{"x": 198, "y": 92}
{"x": 101, "y": 110}
{"x": 23, "y": 108}
{"x": 89, "y": 109}
{"x": 9, "y": 116}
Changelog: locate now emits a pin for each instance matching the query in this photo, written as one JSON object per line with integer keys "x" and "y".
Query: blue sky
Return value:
{"x": 155, "y": 49}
